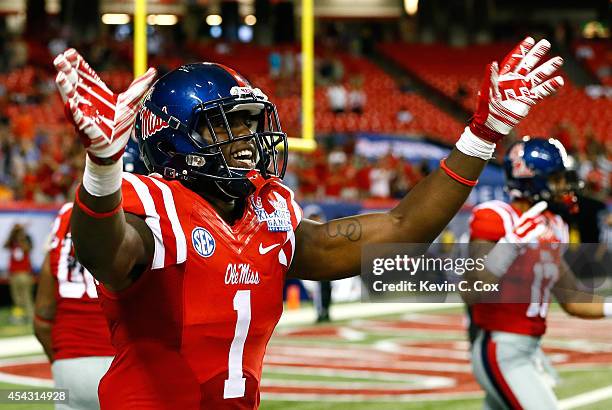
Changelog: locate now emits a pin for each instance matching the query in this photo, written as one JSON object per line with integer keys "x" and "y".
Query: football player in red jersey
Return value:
{"x": 69, "y": 322}
{"x": 506, "y": 355}
{"x": 192, "y": 258}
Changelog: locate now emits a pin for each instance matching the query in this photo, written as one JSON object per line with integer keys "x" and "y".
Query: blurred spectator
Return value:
{"x": 275, "y": 62}
{"x": 19, "y": 245}
{"x": 357, "y": 99}
{"x": 336, "y": 97}
{"x": 335, "y": 180}
{"x": 404, "y": 116}
{"x": 331, "y": 70}
{"x": 363, "y": 168}
{"x": 380, "y": 179}
{"x": 18, "y": 52}
{"x": 288, "y": 65}
{"x": 308, "y": 179}
{"x": 400, "y": 184}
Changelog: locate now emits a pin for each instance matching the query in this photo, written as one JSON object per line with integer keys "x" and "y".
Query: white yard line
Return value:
{"x": 356, "y": 310}
{"x": 25, "y": 380}
{"x": 19, "y": 345}
{"x": 583, "y": 399}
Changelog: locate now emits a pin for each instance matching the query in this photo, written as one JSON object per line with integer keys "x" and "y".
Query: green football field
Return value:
{"x": 421, "y": 358}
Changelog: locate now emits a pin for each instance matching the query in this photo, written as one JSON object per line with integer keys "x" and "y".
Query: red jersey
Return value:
{"x": 192, "y": 330}
{"x": 491, "y": 221}
{"x": 79, "y": 328}
{"x": 19, "y": 259}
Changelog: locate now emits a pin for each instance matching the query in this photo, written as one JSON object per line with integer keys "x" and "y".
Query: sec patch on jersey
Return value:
{"x": 203, "y": 242}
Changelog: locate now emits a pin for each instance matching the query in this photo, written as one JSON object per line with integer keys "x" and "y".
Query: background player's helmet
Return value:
{"x": 530, "y": 163}
{"x": 191, "y": 97}
{"x": 132, "y": 161}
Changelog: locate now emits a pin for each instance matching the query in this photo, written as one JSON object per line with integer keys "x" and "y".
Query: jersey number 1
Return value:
{"x": 235, "y": 384}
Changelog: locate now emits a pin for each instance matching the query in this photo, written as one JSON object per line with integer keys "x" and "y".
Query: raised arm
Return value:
{"x": 109, "y": 243}
{"x": 333, "y": 250}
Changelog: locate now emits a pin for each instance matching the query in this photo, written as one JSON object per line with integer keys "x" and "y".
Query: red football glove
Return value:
{"x": 529, "y": 227}
{"x": 102, "y": 119}
{"x": 507, "y": 94}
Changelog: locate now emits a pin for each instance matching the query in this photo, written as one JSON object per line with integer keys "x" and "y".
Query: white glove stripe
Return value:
{"x": 93, "y": 82}
{"x": 503, "y": 115}
{"x": 545, "y": 70}
{"x": 100, "y": 98}
{"x": 533, "y": 56}
{"x": 549, "y": 87}
{"x": 503, "y": 119}
{"x": 533, "y": 212}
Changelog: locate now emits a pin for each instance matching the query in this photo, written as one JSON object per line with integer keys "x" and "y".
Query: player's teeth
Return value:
{"x": 243, "y": 153}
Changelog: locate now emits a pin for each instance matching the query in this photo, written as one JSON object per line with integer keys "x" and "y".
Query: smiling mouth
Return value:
{"x": 243, "y": 158}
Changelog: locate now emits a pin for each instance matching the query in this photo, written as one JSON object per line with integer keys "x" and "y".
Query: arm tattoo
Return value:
{"x": 347, "y": 228}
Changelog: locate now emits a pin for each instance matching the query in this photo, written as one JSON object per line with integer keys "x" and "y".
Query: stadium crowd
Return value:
{"x": 40, "y": 158}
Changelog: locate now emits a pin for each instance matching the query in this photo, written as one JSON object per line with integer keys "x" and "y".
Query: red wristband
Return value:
{"x": 455, "y": 176}
{"x": 42, "y": 319}
{"x": 91, "y": 212}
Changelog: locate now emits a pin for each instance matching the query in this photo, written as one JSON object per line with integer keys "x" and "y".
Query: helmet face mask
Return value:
{"x": 211, "y": 142}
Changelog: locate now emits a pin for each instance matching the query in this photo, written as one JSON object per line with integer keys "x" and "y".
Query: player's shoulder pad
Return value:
{"x": 153, "y": 199}
{"x": 491, "y": 220}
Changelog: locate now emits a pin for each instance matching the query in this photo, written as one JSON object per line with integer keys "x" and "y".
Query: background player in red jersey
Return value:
{"x": 192, "y": 260}
{"x": 506, "y": 354}
{"x": 68, "y": 320}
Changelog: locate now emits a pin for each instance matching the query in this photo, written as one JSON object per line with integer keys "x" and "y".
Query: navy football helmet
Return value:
{"x": 531, "y": 163}
{"x": 184, "y": 129}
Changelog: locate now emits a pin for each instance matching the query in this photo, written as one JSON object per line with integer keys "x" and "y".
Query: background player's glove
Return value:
{"x": 526, "y": 230}
{"x": 529, "y": 227}
{"x": 102, "y": 118}
{"x": 512, "y": 88}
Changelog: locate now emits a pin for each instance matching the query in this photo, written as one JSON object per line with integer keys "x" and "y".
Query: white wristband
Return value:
{"x": 607, "y": 307}
{"x": 473, "y": 146}
{"x": 501, "y": 257}
{"x": 102, "y": 180}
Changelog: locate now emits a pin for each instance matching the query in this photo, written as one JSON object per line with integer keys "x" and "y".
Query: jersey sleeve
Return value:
{"x": 152, "y": 199}
{"x": 487, "y": 224}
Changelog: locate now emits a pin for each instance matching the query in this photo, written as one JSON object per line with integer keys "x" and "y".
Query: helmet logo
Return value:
{"x": 519, "y": 166}
{"x": 248, "y": 92}
{"x": 151, "y": 123}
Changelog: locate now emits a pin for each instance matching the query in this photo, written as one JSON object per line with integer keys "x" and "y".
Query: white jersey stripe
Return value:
{"x": 181, "y": 242}
{"x": 152, "y": 219}
{"x": 65, "y": 208}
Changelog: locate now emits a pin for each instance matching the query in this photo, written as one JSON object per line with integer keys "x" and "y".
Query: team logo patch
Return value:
{"x": 203, "y": 242}
{"x": 279, "y": 220}
{"x": 151, "y": 123}
{"x": 519, "y": 166}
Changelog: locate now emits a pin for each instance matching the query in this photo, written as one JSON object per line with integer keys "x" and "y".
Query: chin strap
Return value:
{"x": 262, "y": 186}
